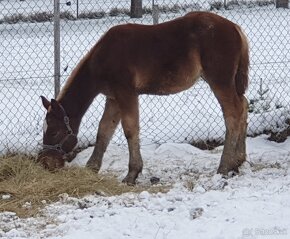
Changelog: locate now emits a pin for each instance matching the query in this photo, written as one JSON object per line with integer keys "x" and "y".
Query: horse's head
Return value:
{"x": 59, "y": 137}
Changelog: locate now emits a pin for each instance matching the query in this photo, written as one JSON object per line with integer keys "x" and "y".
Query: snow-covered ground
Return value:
{"x": 201, "y": 204}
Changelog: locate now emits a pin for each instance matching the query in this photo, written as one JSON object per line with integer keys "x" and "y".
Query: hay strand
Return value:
{"x": 27, "y": 185}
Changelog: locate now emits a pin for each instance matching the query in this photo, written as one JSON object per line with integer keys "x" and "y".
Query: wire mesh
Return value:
{"x": 27, "y": 69}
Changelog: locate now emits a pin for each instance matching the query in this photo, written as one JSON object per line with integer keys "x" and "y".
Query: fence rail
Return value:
{"x": 42, "y": 41}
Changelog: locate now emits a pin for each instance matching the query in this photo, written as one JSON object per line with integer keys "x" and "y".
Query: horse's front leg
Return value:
{"x": 130, "y": 123}
{"x": 110, "y": 120}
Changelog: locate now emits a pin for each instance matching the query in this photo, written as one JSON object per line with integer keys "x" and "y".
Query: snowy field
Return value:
{"x": 201, "y": 204}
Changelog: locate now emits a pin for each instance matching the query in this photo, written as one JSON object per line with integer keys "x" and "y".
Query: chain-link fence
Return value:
{"x": 28, "y": 68}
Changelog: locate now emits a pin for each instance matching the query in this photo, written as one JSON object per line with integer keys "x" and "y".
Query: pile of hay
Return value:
{"x": 24, "y": 182}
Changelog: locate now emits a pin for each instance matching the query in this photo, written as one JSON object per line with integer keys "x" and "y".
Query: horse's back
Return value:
{"x": 168, "y": 57}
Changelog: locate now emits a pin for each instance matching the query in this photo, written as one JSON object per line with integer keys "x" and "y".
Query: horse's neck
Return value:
{"x": 78, "y": 93}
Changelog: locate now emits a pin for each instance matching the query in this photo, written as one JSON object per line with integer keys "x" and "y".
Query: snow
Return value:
{"x": 201, "y": 204}
{"x": 16, "y": 7}
{"x": 193, "y": 115}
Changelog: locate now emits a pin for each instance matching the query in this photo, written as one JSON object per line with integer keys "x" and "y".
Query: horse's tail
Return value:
{"x": 241, "y": 78}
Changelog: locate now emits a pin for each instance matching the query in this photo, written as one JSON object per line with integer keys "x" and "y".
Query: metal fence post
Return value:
{"x": 225, "y": 4}
{"x": 77, "y": 8}
{"x": 155, "y": 13}
{"x": 56, "y": 21}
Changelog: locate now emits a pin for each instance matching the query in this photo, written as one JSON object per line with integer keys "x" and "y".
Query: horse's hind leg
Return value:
{"x": 110, "y": 120}
{"x": 235, "y": 108}
{"x": 130, "y": 123}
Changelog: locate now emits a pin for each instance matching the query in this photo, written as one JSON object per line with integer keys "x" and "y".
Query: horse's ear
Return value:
{"x": 45, "y": 102}
{"x": 56, "y": 107}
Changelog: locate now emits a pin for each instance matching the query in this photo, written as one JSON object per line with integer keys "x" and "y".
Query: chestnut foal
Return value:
{"x": 163, "y": 59}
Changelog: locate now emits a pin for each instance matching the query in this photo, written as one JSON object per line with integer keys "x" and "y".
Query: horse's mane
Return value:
{"x": 73, "y": 75}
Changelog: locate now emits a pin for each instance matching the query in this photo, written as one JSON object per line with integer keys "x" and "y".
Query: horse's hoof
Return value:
{"x": 228, "y": 172}
{"x": 129, "y": 181}
{"x": 93, "y": 167}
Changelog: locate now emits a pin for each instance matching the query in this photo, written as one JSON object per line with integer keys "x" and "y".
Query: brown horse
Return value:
{"x": 132, "y": 59}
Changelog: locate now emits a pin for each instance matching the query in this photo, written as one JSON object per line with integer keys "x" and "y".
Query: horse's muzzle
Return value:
{"x": 51, "y": 159}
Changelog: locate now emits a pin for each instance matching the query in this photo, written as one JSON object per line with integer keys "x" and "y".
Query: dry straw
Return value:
{"x": 27, "y": 183}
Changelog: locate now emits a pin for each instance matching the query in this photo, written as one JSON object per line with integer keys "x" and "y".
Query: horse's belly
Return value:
{"x": 167, "y": 86}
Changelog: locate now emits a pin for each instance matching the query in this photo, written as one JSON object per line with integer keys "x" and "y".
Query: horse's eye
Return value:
{"x": 54, "y": 134}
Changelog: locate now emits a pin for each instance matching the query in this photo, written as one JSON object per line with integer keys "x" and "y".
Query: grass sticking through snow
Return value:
{"x": 28, "y": 185}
